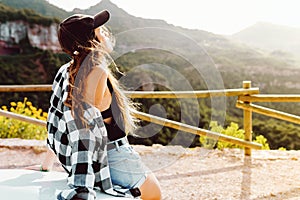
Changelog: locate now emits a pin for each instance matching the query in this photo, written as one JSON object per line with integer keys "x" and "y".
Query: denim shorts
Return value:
{"x": 126, "y": 167}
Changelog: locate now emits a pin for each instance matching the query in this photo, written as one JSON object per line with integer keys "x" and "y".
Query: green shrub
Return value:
{"x": 232, "y": 130}
{"x": 12, "y": 128}
{"x": 282, "y": 149}
{"x": 263, "y": 141}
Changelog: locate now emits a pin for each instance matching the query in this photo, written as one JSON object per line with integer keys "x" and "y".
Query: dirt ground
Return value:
{"x": 196, "y": 173}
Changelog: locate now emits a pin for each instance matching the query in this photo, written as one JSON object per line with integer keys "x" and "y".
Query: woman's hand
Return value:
{"x": 47, "y": 163}
{"x": 37, "y": 168}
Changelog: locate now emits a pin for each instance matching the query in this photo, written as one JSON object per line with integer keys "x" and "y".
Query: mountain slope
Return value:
{"x": 271, "y": 37}
{"x": 11, "y": 14}
{"x": 167, "y": 56}
{"x": 226, "y": 53}
{"x": 121, "y": 20}
{"x": 234, "y": 61}
{"x": 41, "y": 6}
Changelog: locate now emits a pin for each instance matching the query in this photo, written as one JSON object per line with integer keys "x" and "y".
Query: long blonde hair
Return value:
{"x": 84, "y": 59}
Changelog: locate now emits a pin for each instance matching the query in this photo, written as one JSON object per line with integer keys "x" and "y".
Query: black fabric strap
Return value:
{"x": 109, "y": 85}
{"x": 106, "y": 113}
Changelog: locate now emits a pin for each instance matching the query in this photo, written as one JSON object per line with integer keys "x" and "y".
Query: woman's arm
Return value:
{"x": 47, "y": 164}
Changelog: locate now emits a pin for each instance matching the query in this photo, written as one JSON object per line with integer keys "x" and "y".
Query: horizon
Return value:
{"x": 232, "y": 16}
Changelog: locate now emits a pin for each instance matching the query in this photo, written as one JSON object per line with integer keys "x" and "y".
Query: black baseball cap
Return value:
{"x": 80, "y": 28}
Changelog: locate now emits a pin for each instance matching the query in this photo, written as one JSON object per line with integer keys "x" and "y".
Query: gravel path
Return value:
{"x": 197, "y": 173}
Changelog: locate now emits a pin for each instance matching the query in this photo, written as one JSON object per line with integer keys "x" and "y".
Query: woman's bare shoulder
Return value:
{"x": 98, "y": 73}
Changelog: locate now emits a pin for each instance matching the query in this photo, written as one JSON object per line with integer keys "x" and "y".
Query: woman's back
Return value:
{"x": 96, "y": 91}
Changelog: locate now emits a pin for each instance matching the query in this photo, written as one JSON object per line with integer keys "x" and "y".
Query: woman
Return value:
{"x": 78, "y": 133}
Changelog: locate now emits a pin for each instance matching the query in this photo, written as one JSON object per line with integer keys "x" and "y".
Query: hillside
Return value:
{"x": 197, "y": 46}
{"x": 41, "y": 6}
{"x": 8, "y": 14}
{"x": 161, "y": 56}
{"x": 271, "y": 37}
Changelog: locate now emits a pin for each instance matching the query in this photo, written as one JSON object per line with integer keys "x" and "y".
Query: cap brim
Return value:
{"x": 101, "y": 18}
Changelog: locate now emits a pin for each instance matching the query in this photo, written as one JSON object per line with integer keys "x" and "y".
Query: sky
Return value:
{"x": 218, "y": 16}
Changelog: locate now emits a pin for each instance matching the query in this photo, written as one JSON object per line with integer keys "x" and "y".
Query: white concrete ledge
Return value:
{"x": 16, "y": 184}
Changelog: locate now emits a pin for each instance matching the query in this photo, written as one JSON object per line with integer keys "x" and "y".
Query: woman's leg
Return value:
{"x": 127, "y": 170}
{"x": 150, "y": 189}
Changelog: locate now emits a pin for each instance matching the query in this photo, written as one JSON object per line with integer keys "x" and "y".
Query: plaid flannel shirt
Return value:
{"x": 81, "y": 151}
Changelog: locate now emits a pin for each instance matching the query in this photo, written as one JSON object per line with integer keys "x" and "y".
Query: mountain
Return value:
{"x": 201, "y": 47}
{"x": 196, "y": 54}
{"x": 23, "y": 26}
{"x": 271, "y": 37}
{"x": 41, "y": 6}
{"x": 169, "y": 57}
{"x": 121, "y": 20}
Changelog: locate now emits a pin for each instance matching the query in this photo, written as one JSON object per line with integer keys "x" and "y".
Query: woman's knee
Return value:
{"x": 150, "y": 189}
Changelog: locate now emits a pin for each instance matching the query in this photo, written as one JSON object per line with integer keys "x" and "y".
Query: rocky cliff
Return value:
{"x": 42, "y": 37}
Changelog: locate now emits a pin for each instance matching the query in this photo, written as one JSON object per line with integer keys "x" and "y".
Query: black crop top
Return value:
{"x": 114, "y": 131}
{"x": 107, "y": 113}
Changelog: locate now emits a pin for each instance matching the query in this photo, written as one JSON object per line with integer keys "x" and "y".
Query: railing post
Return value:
{"x": 247, "y": 121}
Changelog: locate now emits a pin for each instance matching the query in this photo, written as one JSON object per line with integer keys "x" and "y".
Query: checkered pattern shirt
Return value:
{"x": 81, "y": 151}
